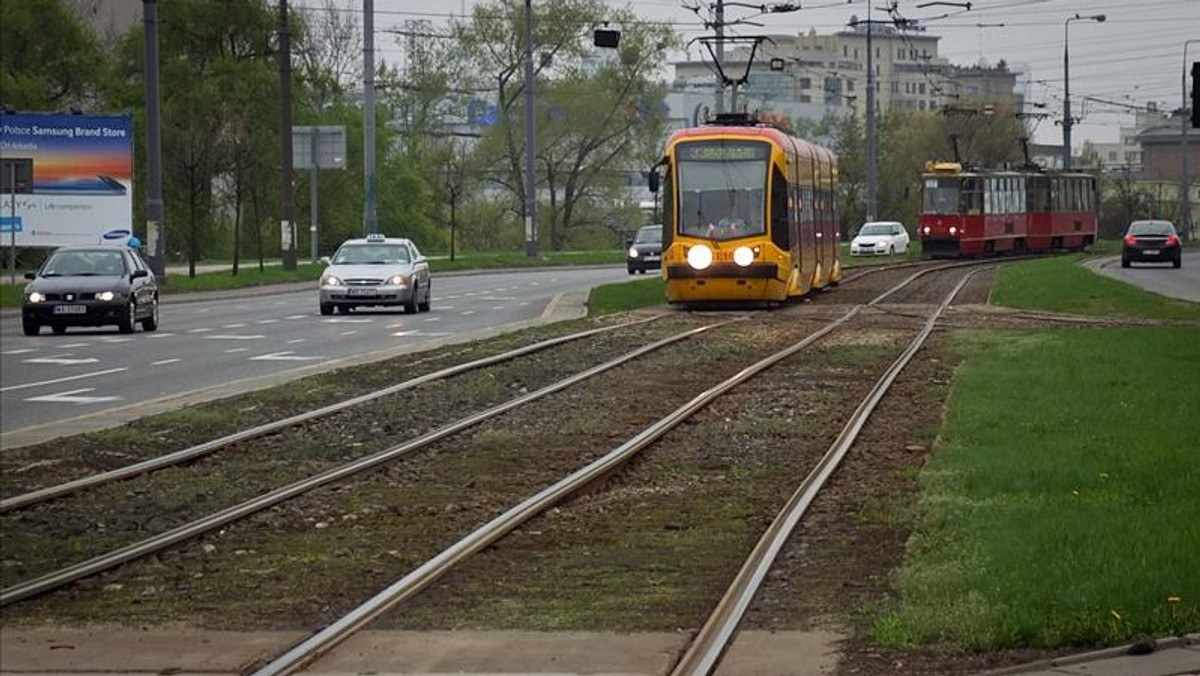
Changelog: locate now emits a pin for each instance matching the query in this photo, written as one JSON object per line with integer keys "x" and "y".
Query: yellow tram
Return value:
{"x": 748, "y": 214}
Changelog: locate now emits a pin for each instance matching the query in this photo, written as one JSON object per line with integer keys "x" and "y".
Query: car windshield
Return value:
{"x": 876, "y": 229}
{"x": 649, "y": 235}
{"x": 84, "y": 264}
{"x": 371, "y": 254}
{"x": 1162, "y": 228}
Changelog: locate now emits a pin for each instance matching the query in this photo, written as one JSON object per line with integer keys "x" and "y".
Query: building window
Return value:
{"x": 899, "y": 54}
{"x": 805, "y": 83}
{"x": 846, "y": 51}
{"x": 921, "y": 88}
{"x": 922, "y": 104}
{"x": 849, "y": 85}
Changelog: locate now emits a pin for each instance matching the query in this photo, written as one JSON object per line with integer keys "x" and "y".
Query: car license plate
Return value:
{"x": 70, "y": 309}
{"x": 362, "y": 292}
{"x": 1150, "y": 252}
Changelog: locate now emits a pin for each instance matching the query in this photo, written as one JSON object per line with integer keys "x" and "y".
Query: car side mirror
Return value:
{"x": 324, "y": 260}
{"x": 30, "y": 275}
{"x": 139, "y": 273}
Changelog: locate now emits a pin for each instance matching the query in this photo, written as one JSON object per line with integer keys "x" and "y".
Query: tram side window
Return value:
{"x": 1055, "y": 193}
{"x": 668, "y": 206}
{"x": 779, "y": 210}
{"x": 972, "y": 196}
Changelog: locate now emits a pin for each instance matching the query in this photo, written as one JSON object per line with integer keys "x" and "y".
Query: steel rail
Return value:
{"x": 707, "y": 648}
{"x": 204, "y": 524}
{"x": 325, "y": 640}
{"x": 199, "y": 450}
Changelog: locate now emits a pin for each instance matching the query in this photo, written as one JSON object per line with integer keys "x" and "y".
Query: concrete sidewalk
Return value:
{"x": 82, "y": 652}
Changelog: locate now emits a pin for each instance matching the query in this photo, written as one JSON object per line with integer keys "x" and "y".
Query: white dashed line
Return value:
{"x": 235, "y": 336}
{"x": 199, "y": 330}
{"x": 26, "y": 350}
{"x": 63, "y": 380}
{"x": 267, "y": 321}
{"x": 160, "y": 362}
{"x": 433, "y": 319}
{"x": 116, "y": 340}
{"x": 235, "y": 350}
{"x": 296, "y": 340}
{"x": 296, "y": 317}
{"x": 234, "y": 326}
{"x": 467, "y": 312}
{"x": 498, "y": 307}
{"x": 161, "y": 334}
{"x": 401, "y": 334}
{"x": 71, "y": 346}
{"x": 523, "y": 303}
{"x": 349, "y": 333}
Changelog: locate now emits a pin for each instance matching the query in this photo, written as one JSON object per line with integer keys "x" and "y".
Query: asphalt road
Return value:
{"x": 1160, "y": 278}
{"x": 204, "y": 349}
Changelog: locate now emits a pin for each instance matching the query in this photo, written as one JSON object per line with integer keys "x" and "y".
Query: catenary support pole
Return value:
{"x": 370, "y": 181}
{"x": 156, "y": 225}
{"x": 287, "y": 221}
{"x": 531, "y": 233}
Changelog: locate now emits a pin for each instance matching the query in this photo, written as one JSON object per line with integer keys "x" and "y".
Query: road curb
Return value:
{"x": 1132, "y": 649}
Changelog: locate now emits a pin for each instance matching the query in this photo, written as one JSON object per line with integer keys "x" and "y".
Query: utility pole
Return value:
{"x": 156, "y": 229}
{"x": 370, "y": 182}
{"x": 1185, "y": 181}
{"x": 871, "y": 179}
{"x": 719, "y": 30}
{"x": 287, "y": 223}
{"x": 1068, "y": 122}
{"x": 531, "y": 233}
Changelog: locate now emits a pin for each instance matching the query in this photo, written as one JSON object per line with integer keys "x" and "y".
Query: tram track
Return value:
{"x": 647, "y": 437}
{"x": 407, "y": 587}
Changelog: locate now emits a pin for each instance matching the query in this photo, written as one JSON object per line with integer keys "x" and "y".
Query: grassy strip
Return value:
{"x": 1061, "y": 506}
{"x": 1060, "y": 285}
{"x": 624, "y": 296}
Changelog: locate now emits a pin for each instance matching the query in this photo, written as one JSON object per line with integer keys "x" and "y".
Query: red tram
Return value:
{"x": 972, "y": 212}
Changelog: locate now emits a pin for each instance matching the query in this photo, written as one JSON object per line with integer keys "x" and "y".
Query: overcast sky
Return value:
{"x": 1132, "y": 59}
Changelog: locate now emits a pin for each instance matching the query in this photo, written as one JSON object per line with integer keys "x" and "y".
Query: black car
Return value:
{"x": 645, "y": 250}
{"x": 1151, "y": 241}
{"x": 90, "y": 286}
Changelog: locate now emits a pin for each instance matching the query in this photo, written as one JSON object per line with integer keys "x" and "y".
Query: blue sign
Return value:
{"x": 116, "y": 235}
{"x": 7, "y": 223}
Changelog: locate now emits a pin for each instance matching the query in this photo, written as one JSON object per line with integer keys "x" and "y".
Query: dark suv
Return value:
{"x": 1151, "y": 241}
{"x": 645, "y": 250}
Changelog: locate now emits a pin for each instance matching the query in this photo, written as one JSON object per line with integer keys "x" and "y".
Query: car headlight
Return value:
{"x": 743, "y": 256}
{"x": 927, "y": 229}
{"x": 330, "y": 280}
{"x": 35, "y": 297}
{"x": 633, "y": 253}
{"x": 699, "y": 257}
{"x": 397, "y": 280}
{"x": 106, "y": 296}
{"x": 953, "y": 230}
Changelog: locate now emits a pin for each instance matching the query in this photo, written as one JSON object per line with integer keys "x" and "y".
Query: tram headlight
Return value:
{"x": 953, "y": 231}
{"x": 699, "y": 257}
{"x": 743, "y": 256}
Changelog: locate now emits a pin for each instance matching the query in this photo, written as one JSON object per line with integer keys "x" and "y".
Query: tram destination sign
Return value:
{"x": 722, "y": 151}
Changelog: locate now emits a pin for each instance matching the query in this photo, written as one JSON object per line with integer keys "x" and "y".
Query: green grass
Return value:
{"x": 624, "y": 296}
{"x": 1061, "y": 285}
{"x": 1061, "y": 506}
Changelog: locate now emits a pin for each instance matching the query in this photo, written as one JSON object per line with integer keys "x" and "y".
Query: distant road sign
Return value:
{"x": 331, "y": 147}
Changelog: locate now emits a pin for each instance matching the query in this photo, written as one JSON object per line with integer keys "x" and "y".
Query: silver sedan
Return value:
{"x": 375, "y": 271}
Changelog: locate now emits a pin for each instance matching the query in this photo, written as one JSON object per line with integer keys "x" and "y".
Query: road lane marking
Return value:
{"x": 199, "y": 330}
{"x": 349, "y": 333}
{"x": 116, "y": 340}
{"x": 161, "y": 334}
{"x": 296, "y": 340}
{"x": 234, "y": 350}
{"x": 25, "y": 350}
{"x": 401, "y": 334}
{"x": 343, "y": 320}
{"x": 284, "y": 356}
{"x": 63, "y": 380}
{"x": 467, "y": 312}
{"x": 235, "y": 336}
{"x": 267, "y": 321}
{"x": 433, "y": 319}
{"x": 234, "y": 326}
{"x": 73, "y": 397}
{"x": 296, "y": 317}
{"x": 523, "y": 303}
{"x": 160, "y": 362}
{"x": 72, "y": 346}
{"x": 64, "y": 360}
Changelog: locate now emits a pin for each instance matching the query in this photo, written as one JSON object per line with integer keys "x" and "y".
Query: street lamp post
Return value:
{"x": 1185, "y": 181}
{"x": 1067, "y": 122}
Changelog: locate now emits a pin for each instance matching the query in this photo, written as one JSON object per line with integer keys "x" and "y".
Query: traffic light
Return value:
{"x": 1196, "y": 95}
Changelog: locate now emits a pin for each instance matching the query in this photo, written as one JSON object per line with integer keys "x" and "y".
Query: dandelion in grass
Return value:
{"x": 1173, "y": 599}
{"x": 1116, "y": 615}
{"x": 1075, "y": 493}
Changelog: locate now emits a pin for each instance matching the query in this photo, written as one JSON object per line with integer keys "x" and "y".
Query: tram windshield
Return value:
{"x": 941, "y": 195}
{"x": 722, "y": 188}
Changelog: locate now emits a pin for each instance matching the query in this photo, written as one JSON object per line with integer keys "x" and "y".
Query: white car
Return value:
{"x": 878, "y": 238}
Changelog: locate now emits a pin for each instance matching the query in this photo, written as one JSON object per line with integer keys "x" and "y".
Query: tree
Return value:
{"x": 590, "y": 128}
{"x": 328, "y": 53}
{"x": 48, "y": 59}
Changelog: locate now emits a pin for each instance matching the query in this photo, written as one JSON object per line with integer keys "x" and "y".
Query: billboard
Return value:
{"x": 65, "y": 179}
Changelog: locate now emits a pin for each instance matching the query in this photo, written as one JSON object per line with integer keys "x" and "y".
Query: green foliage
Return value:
{"x": 1059, "y": 508}
{"x": 48, "y": 59}
{"x": 625, "y": 296}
